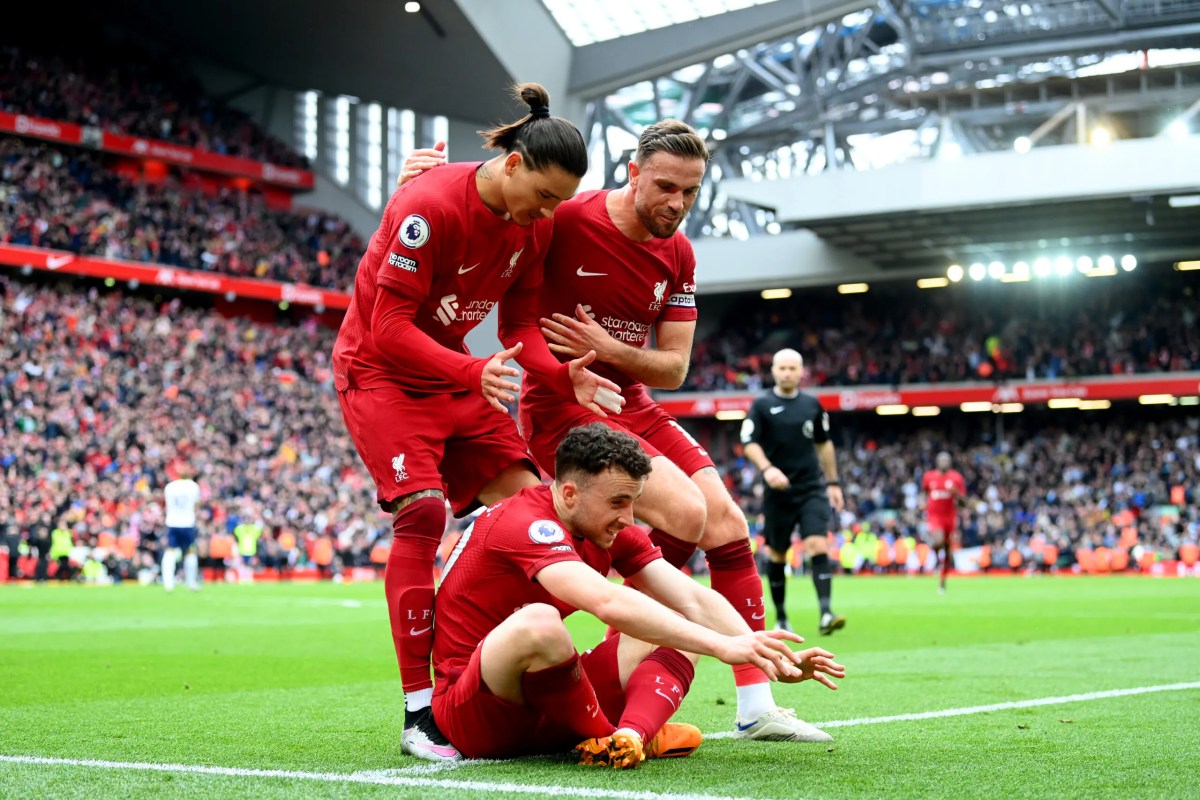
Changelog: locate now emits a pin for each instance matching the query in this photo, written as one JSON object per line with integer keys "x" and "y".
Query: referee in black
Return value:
{"x": 786, "y": 435}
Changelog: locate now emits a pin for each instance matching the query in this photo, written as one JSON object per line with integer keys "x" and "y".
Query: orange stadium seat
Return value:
{"x": 1014, "y": 559}
{"x": 1146, "y": 560}
{"x": 379, "y": 553}
{"x": 985, "y": 558}
{"x": 1189, "y": 554}
{"x": 1103, "y": 561}
{"x": 221, "y": 546}
{"x": 126, "y": 547}
{"x": 922, "y": 554}
{"x": 901, "y": 552}
{"x": 1049, "y": 555}
{"x": 1086, "y": 558}
{"x": 106, "y": 539}
{"x": 883, "y": 555}
{"x": 1129, "y": 536}
{"x": 1120, "y": 560}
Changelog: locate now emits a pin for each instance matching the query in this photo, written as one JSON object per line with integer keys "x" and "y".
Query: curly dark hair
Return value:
{"x": 592, "y": 449}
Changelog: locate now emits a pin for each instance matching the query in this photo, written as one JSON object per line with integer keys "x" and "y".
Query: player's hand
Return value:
{"x": 776, "y": 478}
{"x": 836, "y": 498}
{"x": 421, "y": 160}
{"x": 817, "y": 665}
{"x": 767, "y": 651}
{"x": 594, "y": 393}
{"x": 497, "y": 389}
{"x": 574, "y": 336}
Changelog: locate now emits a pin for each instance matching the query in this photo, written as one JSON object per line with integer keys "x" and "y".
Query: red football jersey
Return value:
{"x": 442, "y": 251}
{"x": 629, "y": 286}
{"x": 942, "y": 488}
{"x": 491, "y": 572}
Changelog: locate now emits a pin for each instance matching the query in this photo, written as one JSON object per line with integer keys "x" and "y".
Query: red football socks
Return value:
{"x": 675, "y": 551}
{"x": 408, "y": 585}
{"x": 655, "y": 690}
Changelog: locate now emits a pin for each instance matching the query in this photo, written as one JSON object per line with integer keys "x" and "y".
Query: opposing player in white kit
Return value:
{"x": 181, "y": 497}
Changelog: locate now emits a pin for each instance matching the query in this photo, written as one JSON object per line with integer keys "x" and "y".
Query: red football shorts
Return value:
{"x": 947, "y": 523}
{"x": 482, "y": 725}
{"x": 545, "y": 425}
{"x": 410, "y": 442}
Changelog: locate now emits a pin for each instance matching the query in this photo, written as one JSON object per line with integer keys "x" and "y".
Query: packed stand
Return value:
{"x": 1121, "y": 480}
{"x": 126, "y": 90}
{"x": 105, "y": 396}
{"x": 68, "y": 199}
{"x": 1129, "y": 324}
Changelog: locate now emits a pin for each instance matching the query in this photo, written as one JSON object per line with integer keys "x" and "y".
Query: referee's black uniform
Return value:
{"x": 788, "y": 429}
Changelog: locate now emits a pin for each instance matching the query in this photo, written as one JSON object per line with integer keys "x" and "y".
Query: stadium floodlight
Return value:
{"x": 1128, "y": 262}
{"x": 1178, "y": 130}
{"x": 926, "y": 411}
{"x": 977, "y": 271}
{"x": 1189, "y": 401}
{"x": 731, "y": 414}
{"x": 1106, "y": 262}
{"x": 1011, "y": 408}
{"x": 893, "y": 410}
{"x": 1022, "y": 144}
{"x": 996, "y": 269}
{"x": 412, "y": 7}
{"x": 1099, "y": 272}
{"x": 1063, "y": 402}
{"x": 1021, "y": 270}
{"x": 1183, "y": 200}
{"x": 1186, "y": 266}
{"x": 1156, "y": 399}
{"x": 776, "y": 294}
{"x": 1063, "y": 265}
{"x": 955, "y": 272}
{"x": 932, "y": 283}
{"x": 1101, "y": 136}
{"x": 1094, "y": 405}
{"x": 1041, "y": 267}
{"x": 1084, "y": 264}
{"x": 852, "y": 288}
{"x": 976, "y": 406}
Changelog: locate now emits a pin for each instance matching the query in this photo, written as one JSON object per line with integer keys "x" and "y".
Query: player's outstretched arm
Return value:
{"x": 702, "y": 605}
{"x": 421, "y": 160}
{"x": 642, "y": 617}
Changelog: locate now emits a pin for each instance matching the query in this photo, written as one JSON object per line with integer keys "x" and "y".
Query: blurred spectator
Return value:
{"x": 128, "y": 90}
{"x": 67, "y": 199}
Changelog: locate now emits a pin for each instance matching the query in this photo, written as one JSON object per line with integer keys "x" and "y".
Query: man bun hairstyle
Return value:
{"x": 595, "y": 448}
{"x": 541, "y": 139}
{"x": 671, "y": 136}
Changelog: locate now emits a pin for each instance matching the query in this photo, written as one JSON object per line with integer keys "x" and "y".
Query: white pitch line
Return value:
{"x": 958, "y": 712}
{"x": 334, "y": 777}
{"x": 392, "y": 778}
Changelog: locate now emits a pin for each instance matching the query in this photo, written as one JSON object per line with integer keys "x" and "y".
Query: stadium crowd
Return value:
{"x": 130, "y": 91}
{"x": 70, "y": 199}
{"x": 103, "y": 396}
{"x": 1120, "y": 481}
{"x": 897, "y": 334}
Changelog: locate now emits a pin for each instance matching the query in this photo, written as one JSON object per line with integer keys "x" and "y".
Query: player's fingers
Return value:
{"x": 791, "y": 637}
{"x": 824, "y": 680}
{"x": 496, "y": 404}
{"x": 440, "y": 147}
{"x": 584, "y": 360}
{"x": 512, "y": 352}
{"x": 597, "y": 410}
{"x": 766, "y": 665}
{"x": 581, "y": 313}
{"x": 567, "y": 322}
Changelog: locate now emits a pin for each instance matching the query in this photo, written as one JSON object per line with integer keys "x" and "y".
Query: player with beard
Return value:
{"x": 510, "y": 682}
{"x": 619, "y": 268}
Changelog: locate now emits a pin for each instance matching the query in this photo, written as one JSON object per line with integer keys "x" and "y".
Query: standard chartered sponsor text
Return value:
{"x": 625, "y": 330}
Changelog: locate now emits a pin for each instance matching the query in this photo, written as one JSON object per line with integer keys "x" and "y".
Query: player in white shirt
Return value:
{"x": 181, "y": 497}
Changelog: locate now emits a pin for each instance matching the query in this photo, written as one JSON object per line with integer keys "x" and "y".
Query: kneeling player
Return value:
{"x": 508, "y": 679}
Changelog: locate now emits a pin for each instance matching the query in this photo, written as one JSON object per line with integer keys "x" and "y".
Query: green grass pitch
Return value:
{"x": 291, "y": 690}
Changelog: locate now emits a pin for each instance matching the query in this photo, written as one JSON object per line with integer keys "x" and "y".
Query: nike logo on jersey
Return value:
{"x": 462, "y": 270}
{"x": 415, "y": 632}
{"x": 759, "y": 615}
{"x": 581, "y": 272}
{"x": 776, "y": 409}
